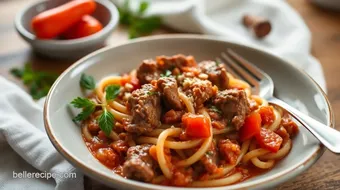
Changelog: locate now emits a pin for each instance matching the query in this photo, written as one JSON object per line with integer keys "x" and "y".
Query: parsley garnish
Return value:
{"x": 215, "y": 109}
{"x": 82, "y": 102}
{"x": 167, "y": 73}
{"x": 112, "y": 91}
{"x": 106, "y": 122}
{"x": 138, "y": 24}
{"x": 38, "y": 82}
{"x": 87, "y": 105}
{"x": 106, "y": 119}
{"x": 87, "y": 82}
{"x": 87, "y": 111}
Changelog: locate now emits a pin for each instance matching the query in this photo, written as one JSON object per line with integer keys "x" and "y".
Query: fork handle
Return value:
{"x": 328, "y": 136}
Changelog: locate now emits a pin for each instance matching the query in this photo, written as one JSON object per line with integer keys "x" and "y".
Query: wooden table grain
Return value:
{"x": 325, "y": 28}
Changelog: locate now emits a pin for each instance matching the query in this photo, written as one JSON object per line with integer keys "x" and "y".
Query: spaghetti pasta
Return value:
{"x": 119, "y": 107}
{"x": 187, "y": 102}
{"x": 86, "y": 133}
{"x": 180, "y": 123}
{"x": 276, "y": 124}
{"x": 253, "y": 154}
{"x": 171, "y": 144}
{"x": 279, "y": 154}
{"x": 160, "y": 150}
{"x": 219, "y": 182}
{"x": 119, "y": 115}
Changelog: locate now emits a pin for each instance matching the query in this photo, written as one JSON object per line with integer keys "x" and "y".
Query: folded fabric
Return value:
{"x": 28, "y": 158}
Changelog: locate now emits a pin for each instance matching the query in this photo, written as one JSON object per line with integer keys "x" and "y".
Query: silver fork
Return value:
{"x": 264, "y": 86}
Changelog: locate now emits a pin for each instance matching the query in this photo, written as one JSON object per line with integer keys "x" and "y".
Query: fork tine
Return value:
{"x": 246, "y": 64}
{"x": 243, "y": 73}
{"x": 231, "y": 71}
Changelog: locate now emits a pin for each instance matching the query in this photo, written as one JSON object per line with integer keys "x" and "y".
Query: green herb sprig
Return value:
{"x": 87, "y": 82}
{"x": 38, "y": 82}
{"x": 215, "y": 109}
{"x": 217, "y": 62}
{"x": 138, "y": 24}
{"x": 106, "y": 120}
{"x": 167, "y": 73}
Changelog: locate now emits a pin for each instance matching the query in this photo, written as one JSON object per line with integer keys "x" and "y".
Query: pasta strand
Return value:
{"x": 171, "y": 144}
{"x": 218, "y": 182}
{"x": 160, "y": 150}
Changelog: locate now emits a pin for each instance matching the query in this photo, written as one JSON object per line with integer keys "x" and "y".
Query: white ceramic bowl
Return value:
{"x": 105, "y": 12}
{"x": 292, "y": 85}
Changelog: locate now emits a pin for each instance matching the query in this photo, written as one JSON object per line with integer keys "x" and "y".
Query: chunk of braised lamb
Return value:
{"x": 177, "y": 61}
{"x": 172, "y": 116}
{"x": 139, "y": 165}
{"x": 288, "y": 123}
{"x": 169, "y": 89}
{"x": 283, "y": 134}
{"x": 199, "y": 90}
{"x": 148, "y": 71}
{"x": 217, "y": 74}
{"x": 234, "y": 105}
{"x": 145, "y": 107}
{"x": 229, "y": 150}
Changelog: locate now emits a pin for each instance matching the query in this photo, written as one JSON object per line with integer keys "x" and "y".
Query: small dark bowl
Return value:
{"x": 106, "y": 12}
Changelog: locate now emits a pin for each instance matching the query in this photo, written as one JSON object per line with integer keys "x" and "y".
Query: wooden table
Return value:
{"x": 325, "y": 27}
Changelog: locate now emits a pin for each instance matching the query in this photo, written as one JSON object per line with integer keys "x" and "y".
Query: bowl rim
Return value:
{"x": 112, "y": 9}
{"x": 108, "y": 180}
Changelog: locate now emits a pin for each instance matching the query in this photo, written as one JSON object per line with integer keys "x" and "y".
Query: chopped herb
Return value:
{"x": 152, "y": 93}
{"x": 215, "y": 109}
{"x": 38, "y": 82}
{"x": 138, "y": 24}
{"x": 209, "y": 153}
{"x": 217, "y": 62}
{"x": 112, "y": 92}
{"x": 106, "y": 122}
{"x": 87, "y": 82}
{"x": 167, "y": 73}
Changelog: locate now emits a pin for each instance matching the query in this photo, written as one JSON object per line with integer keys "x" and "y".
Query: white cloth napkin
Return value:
{"x": 25, "y": 148}
{"x": 24, "y": 145}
